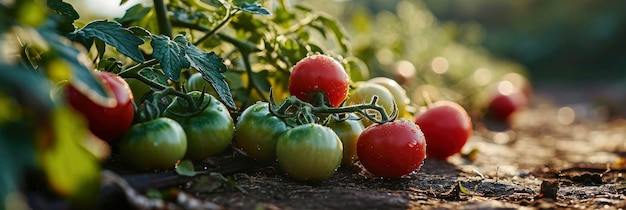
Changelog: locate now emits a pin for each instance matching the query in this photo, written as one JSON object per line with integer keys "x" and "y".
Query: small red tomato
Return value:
{"x": 108, "y": 123}
{"x": 392, "y": 149}
{"x": 319, "y": 73}
{"x": 501, "y": 107}
{"x": 446, "y": 126}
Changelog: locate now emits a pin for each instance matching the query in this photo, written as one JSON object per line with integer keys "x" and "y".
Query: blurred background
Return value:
{"x": 572, "y": 52}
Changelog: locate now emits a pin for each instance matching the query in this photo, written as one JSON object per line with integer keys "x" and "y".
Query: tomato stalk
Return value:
{"x": 305, "y": 112}
{"x": 246, "y": 48}
{"x": 165, "y": 27}
{"x": 226, "y": 20}
{"x": 133, "y": 72}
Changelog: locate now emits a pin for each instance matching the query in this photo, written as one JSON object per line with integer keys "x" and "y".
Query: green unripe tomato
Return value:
{"x": 309, "y": 152}
{"x": 348, "y": 132}
{"x": 209, "y": 132}
{"x": 195, "y": 83}
{"x": 363, "y": 94}
{"x": 156, "y": 144}
{"x": 257, "y": 132}
{"x": 398, "y": 93}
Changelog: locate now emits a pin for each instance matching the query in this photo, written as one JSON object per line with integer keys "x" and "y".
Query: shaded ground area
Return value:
{"x": 580, "y": 163}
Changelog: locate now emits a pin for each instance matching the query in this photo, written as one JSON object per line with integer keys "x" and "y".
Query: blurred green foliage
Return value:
{"x": 556, "y": 40}
{"x": 447, "y": 59}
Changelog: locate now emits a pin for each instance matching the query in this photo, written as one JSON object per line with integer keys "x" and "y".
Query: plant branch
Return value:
{"x": 165, "y": 27}
{"x": 210, "y": 33}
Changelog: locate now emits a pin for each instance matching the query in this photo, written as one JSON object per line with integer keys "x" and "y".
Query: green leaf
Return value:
{"x": 336, "y": 28}
{"x": 463, "y": 189}
{"x": 113, "y": 34}
{"x": 16, "y": 153}
{"x": 260, "y": 78}
{"x": 186, "y": 168}
{"x": 139, "y": 31}
{"x": 234, "y": 79}
{"x": 154, "y": 74}
{"x": 110, "y": 65}
{"x": 67, "y": 13}
{"x": 82, "y": 76}
{"x": 171, "y": 55}
{"x": 64, "y": 9}
{"x": 72, "y": 170}
{"x": 254, "y": 9}
{"x": 211, "y": 66}
{"x": 100, "y": 47}
{"x": 134, "y": 13}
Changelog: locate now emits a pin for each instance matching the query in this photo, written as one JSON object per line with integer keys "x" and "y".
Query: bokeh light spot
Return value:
{"x": 506, "y": 88}
{"x": 566, "y": 115}
{"x": 482, "y": 76}
{"x": 440, "y": 65}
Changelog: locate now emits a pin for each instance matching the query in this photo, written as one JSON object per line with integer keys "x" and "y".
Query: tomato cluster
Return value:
{"x": 154, "y": 142}
{"x": 322, "y": 126}
{"x": 312, "y": 151}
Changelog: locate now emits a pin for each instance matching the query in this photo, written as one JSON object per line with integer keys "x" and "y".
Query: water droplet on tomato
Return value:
{"x": 219, "y": 109}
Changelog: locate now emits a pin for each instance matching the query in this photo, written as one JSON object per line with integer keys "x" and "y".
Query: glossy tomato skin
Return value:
{"x": 398, "y": 93}
{"x": 446, "y": 126}
{"x": 393, "y": 149}
{"x": 209, "y": 132}
{"x": 363, "y": 95}
{"x": 257, "y": 131}
{"x": 156, "y": 144}
{"x": 108, "y": 123}
{"x": 348, "y": 132}
{"x": 319, "y": 73}
{"x": 309, "y": 152}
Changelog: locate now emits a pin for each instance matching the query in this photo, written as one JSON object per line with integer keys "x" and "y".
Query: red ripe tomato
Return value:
{"x": 392, "y": 149}
{"x": 501, "y": 107}
{"x": 446, "y": 126}
{"x": 319, "y": 73}
{"x": 107, "y": 122}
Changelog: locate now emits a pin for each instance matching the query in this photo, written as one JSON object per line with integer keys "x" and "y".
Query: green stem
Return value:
{"x": 210, "y": 33}
{"x": 165, "y": 27}
{"x": 133, "y": 72}
{"x": 251, "y": 78}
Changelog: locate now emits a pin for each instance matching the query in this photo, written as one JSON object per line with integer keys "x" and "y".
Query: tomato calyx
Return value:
{"x": 194, "y": 108}
{"x": 304, "y": 112}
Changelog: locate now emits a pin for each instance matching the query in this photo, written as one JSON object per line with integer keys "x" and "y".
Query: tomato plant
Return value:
{"x": 257, "y": 132}
{"x": 446, "y": 126}
{"x": 156, "y": 144}
{"x": 195, "y": 82}
{"x": 398, "y": 93}
{"x": 107, "y": 121}
{"x": 348, "y": 132}
{"x": 392, "y": 149}
{"x": 319, "y": 73}
{"x": 364, "y": 93}
{"x": 208, "y": 132}
{"x": 309, "y": 152}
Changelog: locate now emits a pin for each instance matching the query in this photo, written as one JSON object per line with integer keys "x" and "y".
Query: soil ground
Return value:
{"x": 580, "y": 163}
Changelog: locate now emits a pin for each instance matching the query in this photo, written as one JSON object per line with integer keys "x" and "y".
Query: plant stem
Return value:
{"x": 165, "y": 27}
{"x": 251, "y": 77}
{"x": 210, "y": 33}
